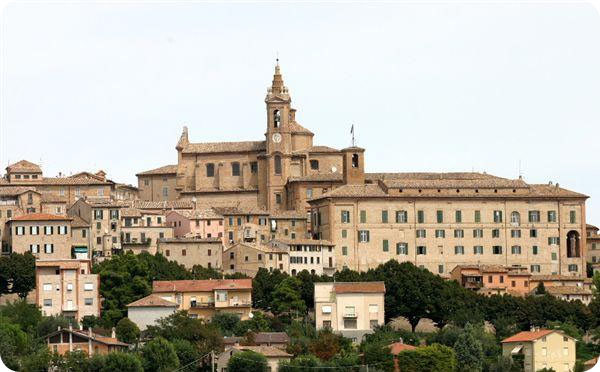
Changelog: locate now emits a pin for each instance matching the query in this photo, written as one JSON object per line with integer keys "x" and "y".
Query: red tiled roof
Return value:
{"x": 398, "y": 347}
{"x": 152, "y": 301}
{"x": 24, "y": 166}
{"x": 526, "y": 336}
{"x": 41, "y": 217}
{"x": 224, "y": 147}
{"x": 200, "y": 285}
{"x": 167, "y": 169}
{"x": 359, "y": 287}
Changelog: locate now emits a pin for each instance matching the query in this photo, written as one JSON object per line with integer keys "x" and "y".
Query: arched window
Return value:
{"x": 515, "y": 218}
{"x": 314, "y": 164}
{"x": 276, "y": 118}
{"x": 235, "y": 169}
{"x": 277, "y": 161}
{"x": 573, "y": 244}
{"x": 354, "y": 160}
{"x": 210, "y": 170}
{"x": 293, "y": 272}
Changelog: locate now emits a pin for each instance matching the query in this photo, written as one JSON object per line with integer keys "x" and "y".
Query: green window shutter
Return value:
{"x": 440, "y": 216}
{"x": 385, "y": 245}
{"x": 420, "y": 216}
{"x": 477, "y": 216}
{"x": 384, "y": 216}
{"x": 363, "y": 216}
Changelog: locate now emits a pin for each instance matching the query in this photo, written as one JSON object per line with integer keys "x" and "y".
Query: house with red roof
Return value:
{"x": 541, "y": 348}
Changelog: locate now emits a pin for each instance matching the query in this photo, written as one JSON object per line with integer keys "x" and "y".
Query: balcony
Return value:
{"x": 350, "y": 314}
{"x": 234, "y": 303}
{"x": 201, "y": 305}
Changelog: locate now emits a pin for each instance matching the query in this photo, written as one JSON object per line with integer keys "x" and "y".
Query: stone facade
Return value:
{"x": 141, "y": 230}
{"x": 103, "y": 216}
{"x": 593, "y": 246}
{"x": 158, "y": 184}
{"x": 188, "y": 252}
{"x": 203, "y": 223}
{"x": 67, "y": 288}
{"x": 46, "y": 236}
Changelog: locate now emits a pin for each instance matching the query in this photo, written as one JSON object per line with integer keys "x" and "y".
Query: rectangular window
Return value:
{"x": 458, "y": 216}
{"x": 253, "y": 167}
{"x": 553, "y": 241}
{"x": 385, "y": 245}
{"x": 326, "y": 309}
{"x": 554, "y": 256}
{"x": 235, "y": 169}
{"x": 421, "y": 233}
{"x": 278, "y": 198}
{"x": 478, "y": 233}
{"x": 515, "y": 249}
{"x": 363, "y": 216}
{"x": 440, "y": 233}
{"x": 572, "y": 268}
{"x": 572, "y": 217}
{"x": 495, "y": 233}
{"x": 477, "y": 216}
{"x": 421, "y": 250}
{"x": 89, "y": 301}
{"x": 384, "y": 216}
{"x": 497, "y": 249}
{"x": 98, "y": 214}
{"x": 402, "y": 248}
{"x": 345, "y": 216}
{"x": 49, "y": 248}
{"x": 165, "y": 192}
{"x": 533, "y": 233}
{"x": 47, "y": 287}
{"x": 459, "y": 249}
{"x": 515, "y": 233}
{"x": 534, "y": 249}
{"x": 344, "y": 251}
{"x": 420, "y": 217}
{"x": 349, "y": 323}
{"x": 34, "y": 248}
{"x": 534, "y": 216}
{"x": 34, "y": 230}
{"x": 459, "y": 233}
{"x": 535, "y": 268}
{"x": 497, "y": 216}
{"x": 440, "y": 269}
{"x": 401, "y": 217}
{"x": 20, "y": 230}
{"x": 47, "y": 302}
{"x": 344, "y": 233}
{"x": 309, "y": 193}
{"x": 440, "y": 216}
{"x": 551, "y": 216}
{"x": 88, "y": 287}
{"x": 363, "y": 236}
{"x": 478, "y": 249}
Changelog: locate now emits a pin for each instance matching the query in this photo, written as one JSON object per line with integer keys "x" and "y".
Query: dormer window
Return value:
{"x": 354, "y": 160}
{"x": 276, "y": 118}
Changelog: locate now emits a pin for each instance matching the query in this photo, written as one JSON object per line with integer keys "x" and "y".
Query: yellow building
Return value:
{"x": 542, "y": 348}
{"x": 205, "y": 298}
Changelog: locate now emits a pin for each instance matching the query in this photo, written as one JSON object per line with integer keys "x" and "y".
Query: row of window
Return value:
{"x": 497, "y": 215}
{"x": 305, "y": 260}
{"x": 86, "y": 287}
{"x": 87, "y": 301}
{"x": 364, "y": 235}
{"x": 99, "y": 214}
{"x": 26, "y": 176}
{"x": 235, "y": 168}
{"x": 35, "y": 230}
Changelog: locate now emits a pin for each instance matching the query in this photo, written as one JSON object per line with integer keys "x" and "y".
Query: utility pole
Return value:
{"x": 212, "y": 359}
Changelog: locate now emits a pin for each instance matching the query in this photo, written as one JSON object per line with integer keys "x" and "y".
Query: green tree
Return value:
{"x": 247, "y": 361}
{"x": 14, "y": 343}
{"x": 504, "y": 364}
{"x": 159, "y": 355}
{"x": 263, "y": 285}
{"x": 469, "y": 351}
{"x": 27, "y": 316}
{"x": 38, "y": 361}
{"x": 122, "y": 362}
{"x": 187, "y": 354}
{"x": 49, "y": 324}
{"x": 226, "y": 322}
{"x": 540, "y": 289}
{"x": 258, "y": 323}
{"x": 303, "y": 363}
{"x": 127, "y": 331}
{"x": 76, "y": 361}
{"x": 378, "y": 355}
{"x": 433, "y": 358}
{"x": 17, "y": 274}
{"x": 90, "y": 321}
{"x": 327, "y": 344}
{"x": 286, "y": 297}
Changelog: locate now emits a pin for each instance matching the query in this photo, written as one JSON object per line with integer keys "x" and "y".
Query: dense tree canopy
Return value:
{"x": 17, "y": 274}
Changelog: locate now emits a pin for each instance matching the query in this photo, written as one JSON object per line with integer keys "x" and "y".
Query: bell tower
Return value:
{"x": 278, "y": 141}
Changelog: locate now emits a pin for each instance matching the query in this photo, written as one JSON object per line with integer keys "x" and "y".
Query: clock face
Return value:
{"x": 276, "y": 137}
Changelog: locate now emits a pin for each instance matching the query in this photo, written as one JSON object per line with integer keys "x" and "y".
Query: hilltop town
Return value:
{"x": 281, "y": 254}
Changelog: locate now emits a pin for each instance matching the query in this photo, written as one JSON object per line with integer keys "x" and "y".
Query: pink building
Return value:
{"x": 196, "y": 223}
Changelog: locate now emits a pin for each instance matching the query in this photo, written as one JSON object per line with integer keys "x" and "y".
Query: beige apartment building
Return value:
{"x": 14, "y": 202}
{"x": 204, "y": 298}
{"x": 542, "y": 348}
{"x": 103, "y": 217}
{"x": 46, "y": 236}
{"x": 83, "y": 184}
{"x": 493, "y": 279}
{"x": 141, "y": 230}
{"x": 440, "y": 220}
{"x": 158, "y": 184}
{"x": 315, "y": 256}
{"x": 350, "y": 308}
{"x": 67, "y": 288}
{"x": 206, "y": 252}
{"x": 199, "y": 223}
{"x": 593, "y": 245}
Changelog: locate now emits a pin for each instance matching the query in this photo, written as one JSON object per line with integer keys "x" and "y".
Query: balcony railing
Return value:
{"x": 350, "y": 314}
{"x": 197, "y": 305}
{"x": 234, "y": 303}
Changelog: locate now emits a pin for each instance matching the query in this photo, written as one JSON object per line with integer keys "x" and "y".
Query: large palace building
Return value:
{"x": 435, "y": 220}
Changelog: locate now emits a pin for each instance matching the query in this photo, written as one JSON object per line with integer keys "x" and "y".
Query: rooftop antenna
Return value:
{"x": 520, "y": 173}
{"x": 277, "y": 57}
{"x": 353, "y": 139}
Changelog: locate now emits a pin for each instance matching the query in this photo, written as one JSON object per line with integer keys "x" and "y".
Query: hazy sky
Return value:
{"x": 429, "y": 87}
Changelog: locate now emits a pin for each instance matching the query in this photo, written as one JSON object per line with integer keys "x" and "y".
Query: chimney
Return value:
{"x": 113, "y": 334}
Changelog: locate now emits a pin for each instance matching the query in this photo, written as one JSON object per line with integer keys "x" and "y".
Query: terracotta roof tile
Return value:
{"x": 167, "y": 204}
{"x": 152, "y": 300}
{"x": 48, "y": 197}
{"x": 265, "y": 337}
{"x": 24, "y": 166}
{"x": 398, "y": 347}
{"x": 167, "y": 169}
{"x": 200, "y": 285}
{"x": 191, "y": 240}
{"x": 557, "y": 278}
{"x": 567, "y": 290}
{"x": 526, "y": 336}
{"x": 297, "y": 128}
{"x": 359, "y": 287}
{"x": 304, "y": 242}
{"x": 15, "y": 190}
{"x": 41, "y": 217}
{"x": 131, "y": 212}
{"x": 79, "y": 222}
{"x": 318, "y": 177}
{"x": 82, "y": 181}
{"x": 317, "y": 150}
{"x": 224, "y": 147}
{"x": 288, "y": 215}
{"x": 268, "y": 351}
{"x": 200, "y": 214}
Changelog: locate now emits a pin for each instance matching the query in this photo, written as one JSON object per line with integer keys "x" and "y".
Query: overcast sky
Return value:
{"x": 429, "y": 87}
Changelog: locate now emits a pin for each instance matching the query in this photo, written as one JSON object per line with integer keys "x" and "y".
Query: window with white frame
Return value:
{"x": 326, "y": 309}
{"x": 34, "y": 230}
{"x": 48, "y": 230}
{"x": 20, "y": 230}
{"x": 363, "y": 236}
{"x": 48, "y": 248}
{"x": 34, "y": 248}
{"x": 47, "y": 287}
{"x": 373, "y": 308}
{"x": 88, "y": 287}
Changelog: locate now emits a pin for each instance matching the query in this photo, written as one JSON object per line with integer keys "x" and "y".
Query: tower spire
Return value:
{"x": 277, "y": 86}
